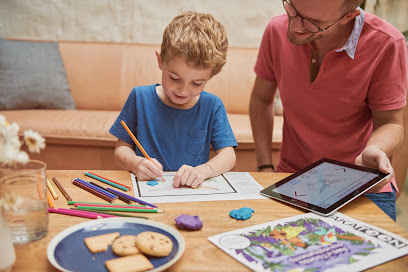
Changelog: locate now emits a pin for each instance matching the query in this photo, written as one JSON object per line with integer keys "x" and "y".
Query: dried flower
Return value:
{"x": 10, "y": 143}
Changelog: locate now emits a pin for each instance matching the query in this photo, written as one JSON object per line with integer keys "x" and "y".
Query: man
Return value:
{"x": 342, "y": 78}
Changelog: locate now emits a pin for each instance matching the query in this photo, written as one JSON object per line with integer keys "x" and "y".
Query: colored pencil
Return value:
{"x": 89, "y": 212}
{"x": 66, "y": 195}
{"x": 111, "y": 204}
{"x": 124, "y": 199}
{"x": 136, "y": 142}
{"x": 112, "y": 213}
{"x": 49, "y": 201}
{"x": 107, "y": 205}
{"x": 92, "y": 191}
{"x": 132, "y": 198}
{"x": 119, "y": 209}
{"x": 74, "y": 213}
{"x": 54, "y": 194}
{"x": 103, "y": 191}
{"x": 106, "y": 181}
{"x": 130, "y": 188}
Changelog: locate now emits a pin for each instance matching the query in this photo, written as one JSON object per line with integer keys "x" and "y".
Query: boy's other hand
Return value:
{"x": 149, "y": 170}
{"x": 188, "y": 176}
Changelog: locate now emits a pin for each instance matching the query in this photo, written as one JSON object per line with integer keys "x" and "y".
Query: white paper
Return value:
{"x": 229, "y": 186}
{"x": 311, "y": 242}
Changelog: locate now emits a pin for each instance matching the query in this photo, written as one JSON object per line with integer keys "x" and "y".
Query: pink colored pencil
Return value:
{"x": 90, "y": 213}
{"x": 130, "y": 188}
{"x": 74, "y": 213}
{"x": 115, "y": 206}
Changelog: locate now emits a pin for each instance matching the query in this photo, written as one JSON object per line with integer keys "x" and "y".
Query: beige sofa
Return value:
{"x": 101, "y": 75}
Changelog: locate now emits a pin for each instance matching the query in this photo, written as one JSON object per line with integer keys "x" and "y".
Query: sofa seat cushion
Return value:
{"x": 70, "y": 127}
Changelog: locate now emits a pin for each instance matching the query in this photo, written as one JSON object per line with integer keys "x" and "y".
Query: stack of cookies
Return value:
{"x": 131, "y": 249}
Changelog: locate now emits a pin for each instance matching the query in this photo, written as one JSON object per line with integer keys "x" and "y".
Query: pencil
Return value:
{"x": 88, "y": 212}
{"x": 103, "y": 191}
{"x": 49, "y": 201}
{"x": 92, "y": 191}
{"x": 132, "y": 198}
{"x": 120, "y": 209}
{"x": 66, "y": 195}
{"x": 54, "y": 194}
{"x": 111, "y": 204}
{"x": 117, "y": 214}
{"x": 136, "y": 142}
{"x": 103, "y": 205}
{"x": 130, "y": 188}
{"x": 74, "y": 213}
{"x": 124, "y": 199}
{"x": 106, "y": 181}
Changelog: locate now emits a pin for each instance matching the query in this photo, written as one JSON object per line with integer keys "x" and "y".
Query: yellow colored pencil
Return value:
{"x": 54, "y": 194}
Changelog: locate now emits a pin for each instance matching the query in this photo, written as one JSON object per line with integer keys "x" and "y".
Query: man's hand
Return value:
{"x": 373, "y": 157}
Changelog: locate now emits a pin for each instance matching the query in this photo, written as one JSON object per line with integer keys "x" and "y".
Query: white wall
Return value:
{"x": 143, "y": 21}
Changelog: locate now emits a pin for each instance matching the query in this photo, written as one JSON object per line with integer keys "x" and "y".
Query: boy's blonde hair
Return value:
{"x": 198, "y": 38}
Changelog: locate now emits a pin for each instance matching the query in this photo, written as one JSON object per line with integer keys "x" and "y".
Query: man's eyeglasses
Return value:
{"x": 308, "y": 24}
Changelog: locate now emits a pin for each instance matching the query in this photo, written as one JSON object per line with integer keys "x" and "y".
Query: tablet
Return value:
{"x": 324, "y": 186}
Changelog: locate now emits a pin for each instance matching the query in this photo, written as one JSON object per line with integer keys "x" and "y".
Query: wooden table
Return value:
{"x": 200, "y": 254}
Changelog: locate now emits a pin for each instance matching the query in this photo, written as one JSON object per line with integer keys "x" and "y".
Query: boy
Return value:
{"x": 176, "y": 121}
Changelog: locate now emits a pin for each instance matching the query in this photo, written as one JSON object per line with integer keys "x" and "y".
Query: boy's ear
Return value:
{"x": 159, "y": 60}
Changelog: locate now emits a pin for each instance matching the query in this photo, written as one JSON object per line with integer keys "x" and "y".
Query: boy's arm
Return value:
{"x": 144, "y": 169}
{"x": 223, "y": 161}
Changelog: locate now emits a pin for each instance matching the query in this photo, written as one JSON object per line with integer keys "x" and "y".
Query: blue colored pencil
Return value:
{"x": 131, "y": 197}
{"x": 105, "y": 192}
{"x": 106, "y": 181}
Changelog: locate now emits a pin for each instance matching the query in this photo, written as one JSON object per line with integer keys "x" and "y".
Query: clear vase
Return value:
{"x": 23, "y": 195}
{"x": 7, "y": 254}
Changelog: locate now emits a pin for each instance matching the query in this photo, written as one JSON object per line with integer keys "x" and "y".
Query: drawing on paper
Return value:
{"x": 216, "y": 185}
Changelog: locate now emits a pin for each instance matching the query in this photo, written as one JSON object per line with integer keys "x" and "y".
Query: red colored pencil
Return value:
{"x": 116, "y": 206}
{"x": 92, "y": 191}
{"x": 130, "y": 188}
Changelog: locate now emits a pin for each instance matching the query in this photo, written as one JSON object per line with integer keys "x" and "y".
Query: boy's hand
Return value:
{"x": 189, "y": 176}
{"x": 149, "y": 170}
{"x": 373, "y": 157}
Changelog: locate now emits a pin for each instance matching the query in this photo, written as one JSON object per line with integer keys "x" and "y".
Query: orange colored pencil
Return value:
{"x": 49, "y": 201}
{"x": 136, "y": 141}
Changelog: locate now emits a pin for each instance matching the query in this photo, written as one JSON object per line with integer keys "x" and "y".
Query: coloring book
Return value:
{"x": 310, "y": 242}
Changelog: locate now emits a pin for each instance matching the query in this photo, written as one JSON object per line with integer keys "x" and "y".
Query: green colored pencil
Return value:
{"x": 111, "y": 213}
{"x": 120, "y": 209}
{"x": 99, "y": 203}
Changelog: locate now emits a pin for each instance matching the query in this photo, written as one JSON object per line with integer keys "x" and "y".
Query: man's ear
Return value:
{"x": 159, "y": 60}
{"x": 350, "y": 16}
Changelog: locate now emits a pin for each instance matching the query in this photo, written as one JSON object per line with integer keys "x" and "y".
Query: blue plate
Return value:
{"x": 67, "y": 250}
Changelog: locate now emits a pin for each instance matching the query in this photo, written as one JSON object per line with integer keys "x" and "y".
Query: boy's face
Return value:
{"x": 181, "y": 83}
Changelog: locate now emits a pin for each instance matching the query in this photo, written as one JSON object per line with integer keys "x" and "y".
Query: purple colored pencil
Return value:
{"x": 124, "y": 199}
{"x": 92, "y": 191}
{"x": 103, "y": 191}
{"x": 131, "y": 197}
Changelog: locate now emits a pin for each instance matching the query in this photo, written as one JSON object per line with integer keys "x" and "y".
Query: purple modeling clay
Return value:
{"x": 152, "y": 183}
{"x": 186, "y": 221}
{"x": 242, "y": 214}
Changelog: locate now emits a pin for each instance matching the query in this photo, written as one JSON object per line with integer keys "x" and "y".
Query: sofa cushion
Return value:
{"x": 32, "y": 76}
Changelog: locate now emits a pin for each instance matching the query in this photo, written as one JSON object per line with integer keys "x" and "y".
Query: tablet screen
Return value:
{"x": 325, "y": 185}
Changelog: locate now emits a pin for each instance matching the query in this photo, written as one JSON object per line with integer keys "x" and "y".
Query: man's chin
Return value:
{"x": 299, "y": 39}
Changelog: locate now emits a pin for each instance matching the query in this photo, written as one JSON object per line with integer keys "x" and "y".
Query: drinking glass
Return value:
{"x": 23, "y": 195}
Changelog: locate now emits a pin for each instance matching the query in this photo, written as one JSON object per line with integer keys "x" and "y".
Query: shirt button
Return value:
{"x": 313, "y": 60}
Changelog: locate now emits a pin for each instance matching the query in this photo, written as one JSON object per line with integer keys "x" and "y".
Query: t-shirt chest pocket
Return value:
{"x": 196, "y": 141}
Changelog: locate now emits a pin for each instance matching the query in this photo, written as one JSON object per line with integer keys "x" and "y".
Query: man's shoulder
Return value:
{"x": 279, "y": 23}
{"x": 381, "y": 28}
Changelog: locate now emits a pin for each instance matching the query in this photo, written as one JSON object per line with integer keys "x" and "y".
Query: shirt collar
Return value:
{"x": 351, "y": 45}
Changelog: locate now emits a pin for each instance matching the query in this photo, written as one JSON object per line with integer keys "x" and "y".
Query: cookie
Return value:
{"x": 134, "y": 263}
{"x": 154, "y": 244}
{"x": 125, "y": 245}
{"x": 100, "y": 243}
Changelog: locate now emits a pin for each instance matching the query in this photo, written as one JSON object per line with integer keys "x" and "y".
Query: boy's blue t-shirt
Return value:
{"x": 174, "y": 136}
